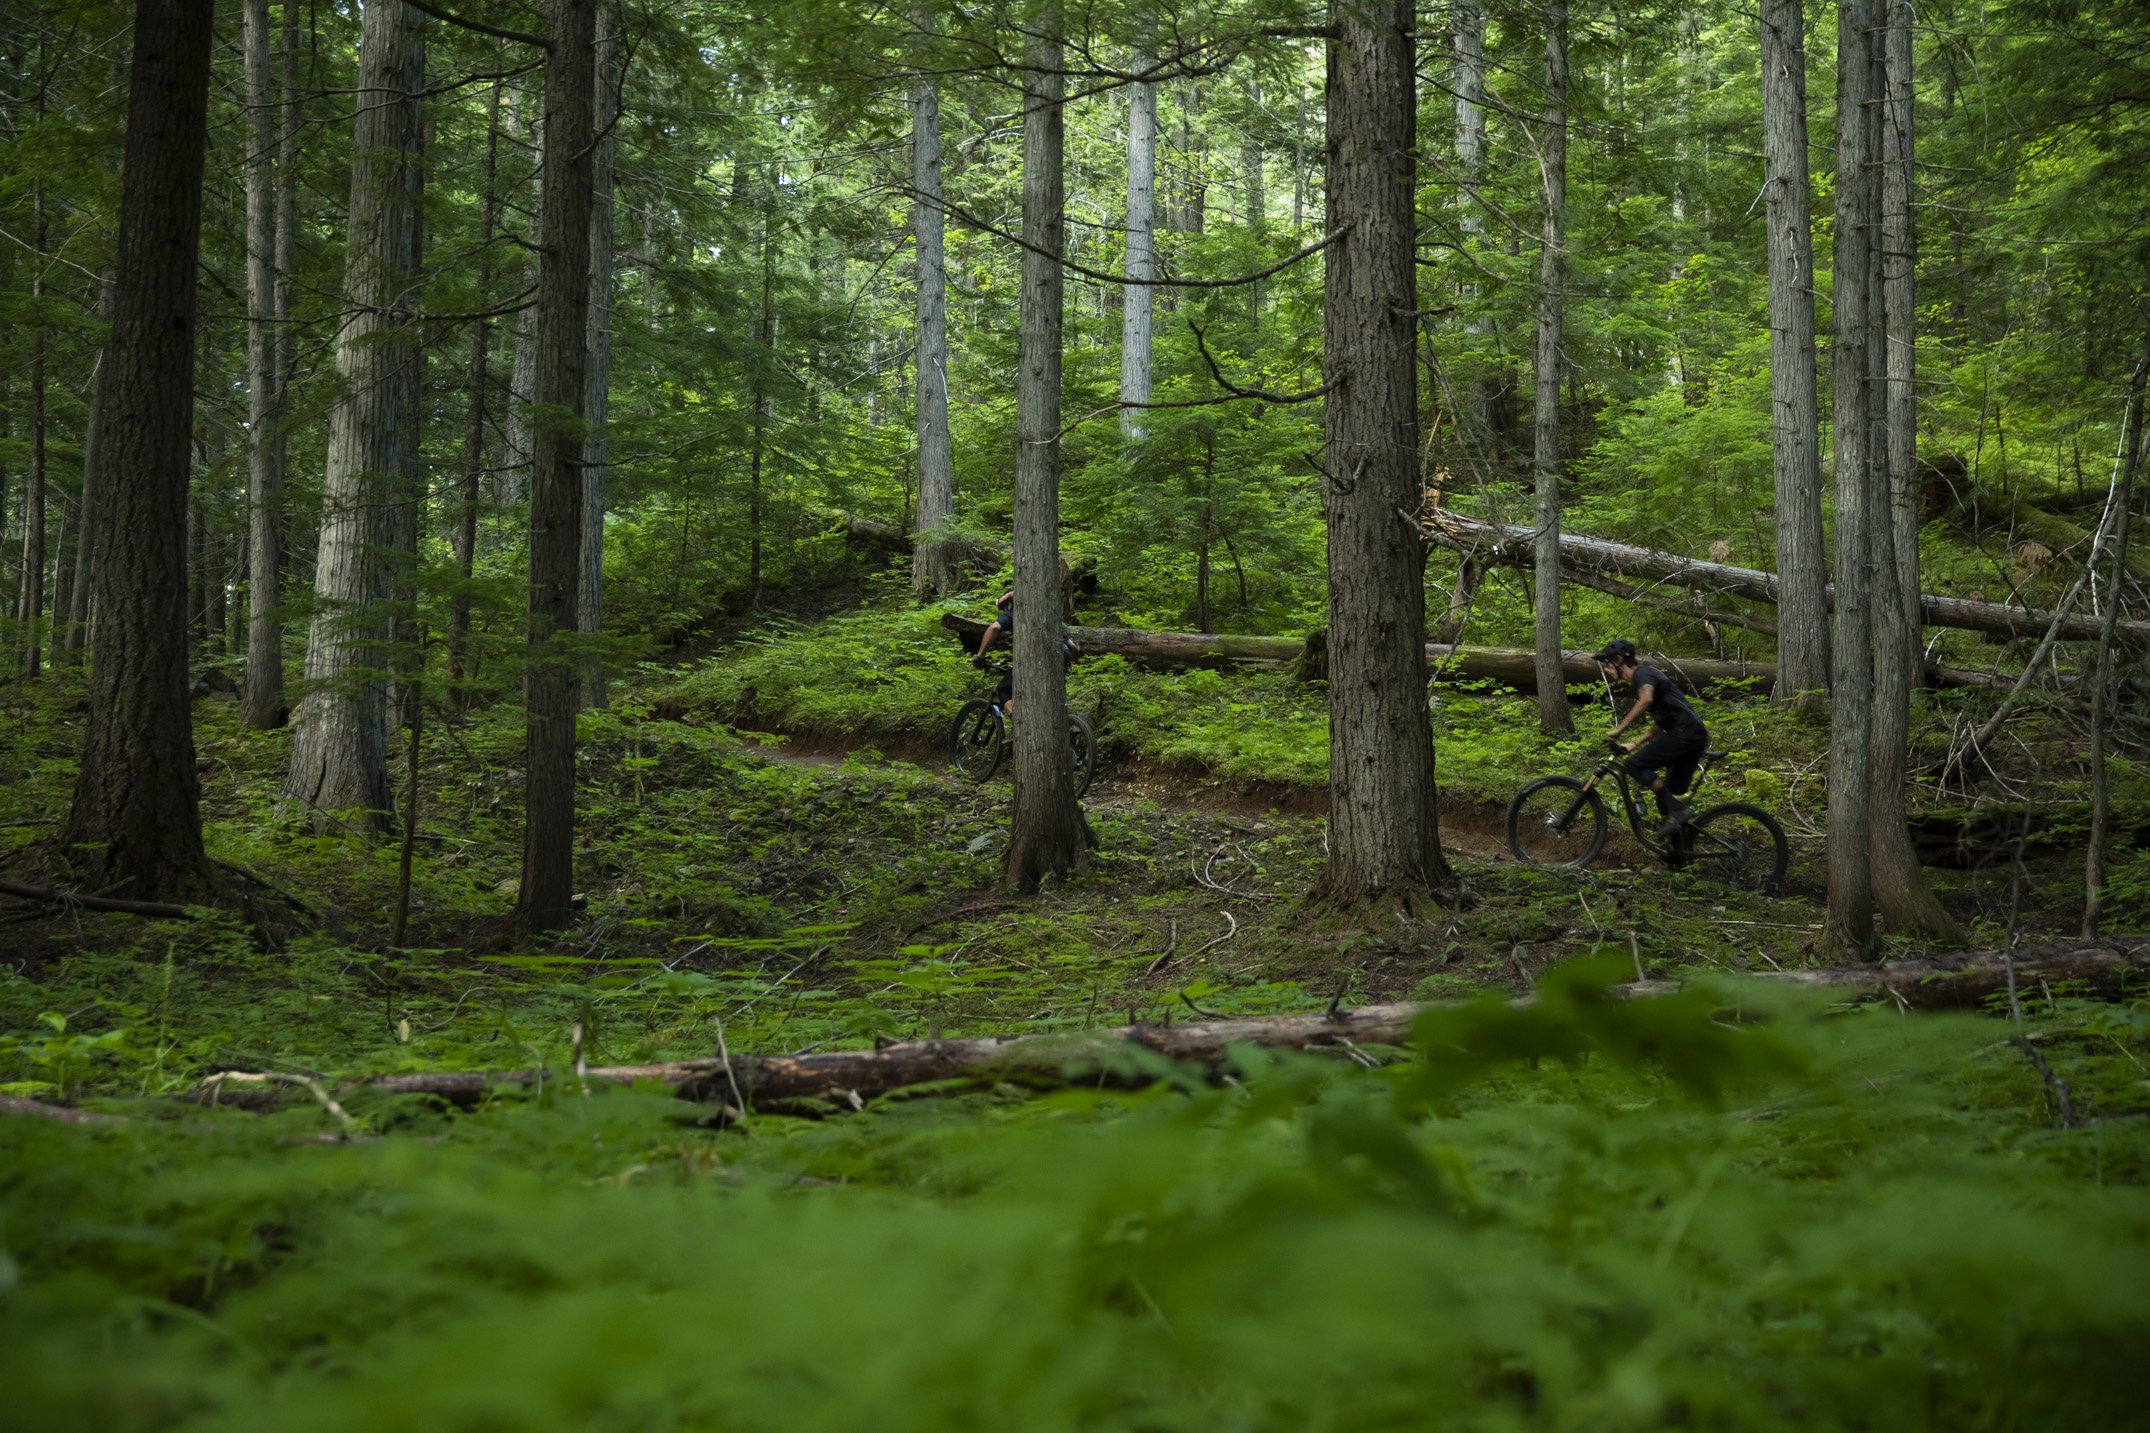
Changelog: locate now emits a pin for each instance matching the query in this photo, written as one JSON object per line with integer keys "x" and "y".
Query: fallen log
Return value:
{"x": 1510, "y": 667}
{"x": 1511, "y": 546}
{"x": 849, "y": 1078}
{"x": 76, "y": 900}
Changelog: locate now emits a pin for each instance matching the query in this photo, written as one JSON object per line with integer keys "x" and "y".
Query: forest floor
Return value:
{"x": 1583, "y": 1215}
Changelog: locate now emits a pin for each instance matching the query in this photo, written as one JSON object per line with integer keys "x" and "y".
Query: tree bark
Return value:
{"x": 611, "y": 64}
{"x": 1902, "y": 897}
{"x": 31, "y": 610}
{"x": 1137, "y": 300}
{"x": 1469, "y": 20}
{"x": 563, "y": 316}
{"x": 1848, "y": 928}
{"x": 1803, "y": 628}
{"x": 1048, "y": 835}
{"x": 1553, "y": 715}
{"x": 1512, "y": 546}
{"x": 465, "y": 538}
{"x": 136, "y": 817}
{"x": 261, "y": 704}
{"x": 514, "y": 480}
{"x": 2101, "y": 692}
{"x": 339, "y": 758}
{"x": 78, "y": 613}
{"x": 1384, "y": 844}
{"x": 933, "y": 562}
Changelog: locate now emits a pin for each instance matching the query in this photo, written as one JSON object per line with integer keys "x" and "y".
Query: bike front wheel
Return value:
{"x": 1556, "y": 821}
{"x": 1737, "y": 845}
{"x": 1082, "y": 752}
{"x": 977, "y": 740}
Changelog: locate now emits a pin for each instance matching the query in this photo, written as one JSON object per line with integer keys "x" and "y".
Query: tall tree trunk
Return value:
{"x": 1553, "y": 716}
{"x": 611, "y": 65}
{"x": 339, "y": 756}
{"x": 1138, "y": 300}
{"x": 1848, "y": 928}
{"x": 1902, "y": 897}
{"x": 563, "y": 318}
{"x": 1251, "y": 164}
{"x": 2101, "y": 692}
{"x": 136, "y": 818}
{"x": 1470, "y": 91}
{"x": 1384, "y": 842}
{"x": 514, "y": 480}
{"x": 933, "y": 560}
{"x": 262, "y": 702}
{"x": 405, "y": 512}
{"x": 465, "y": 538}
{"x": 764, "y": 405}
{"x": 1049, "y": 835}
{"x": 33, "y": 512}
{"x": 1802, "y": 567}
{"x": 78, "y": 613}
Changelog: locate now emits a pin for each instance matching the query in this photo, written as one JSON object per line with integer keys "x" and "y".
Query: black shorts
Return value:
{"x": 1005, "y": 689}
{"x": 1673, "y": 751}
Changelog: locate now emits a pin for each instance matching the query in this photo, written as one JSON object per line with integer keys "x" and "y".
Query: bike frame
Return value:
{"x": 1635, "y": 824}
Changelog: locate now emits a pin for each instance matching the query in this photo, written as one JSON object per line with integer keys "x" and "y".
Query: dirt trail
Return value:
{"x": 1469, "y": 828}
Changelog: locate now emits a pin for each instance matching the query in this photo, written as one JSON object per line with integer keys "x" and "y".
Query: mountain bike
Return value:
{"x": 1560, "y": 821}
{"x": 979, "y": 738}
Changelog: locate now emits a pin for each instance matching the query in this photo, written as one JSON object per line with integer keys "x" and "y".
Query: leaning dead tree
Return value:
{"x": 1138, "y": 1055}
{"x": 1511, "y": 546}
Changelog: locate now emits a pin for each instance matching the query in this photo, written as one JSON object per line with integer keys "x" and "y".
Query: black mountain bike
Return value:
{"x": 1560, "y": 821}
{"x": 979, "y": 739}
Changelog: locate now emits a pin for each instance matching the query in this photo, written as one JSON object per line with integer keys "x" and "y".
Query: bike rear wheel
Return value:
{"x": 1556, "y": 821}
{"x": 1082, "y": 751}
{"x": 977, "y": 740}
{"x": 1737, "y": 845}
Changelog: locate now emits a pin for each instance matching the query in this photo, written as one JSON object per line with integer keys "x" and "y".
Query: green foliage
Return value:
{"x": 1877, "y": 1232}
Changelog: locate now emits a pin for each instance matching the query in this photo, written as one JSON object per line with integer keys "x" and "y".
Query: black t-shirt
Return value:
{"x": 1668, "y": 707}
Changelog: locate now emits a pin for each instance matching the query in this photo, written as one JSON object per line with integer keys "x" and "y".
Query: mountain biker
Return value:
{"x": 1003, "y": 623}
{"x": 1667, "y": 757}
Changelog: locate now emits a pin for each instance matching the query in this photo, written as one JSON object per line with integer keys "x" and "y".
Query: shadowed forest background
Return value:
{"x": 497, "y": 505}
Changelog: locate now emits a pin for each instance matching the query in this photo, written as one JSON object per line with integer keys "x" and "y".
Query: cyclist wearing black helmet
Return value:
{"x": 1665, "y": 760}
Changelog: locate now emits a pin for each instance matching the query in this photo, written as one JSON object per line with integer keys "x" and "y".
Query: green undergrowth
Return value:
{"x": 1586, "y": 1215}
{"x": 896, "y": 674}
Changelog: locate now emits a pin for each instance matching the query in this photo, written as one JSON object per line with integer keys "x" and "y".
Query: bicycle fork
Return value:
{"x": 1558, "y": 824}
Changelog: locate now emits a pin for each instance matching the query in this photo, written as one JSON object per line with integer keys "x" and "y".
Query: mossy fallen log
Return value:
{"x": 1136, "y": 1055}
{"x": 1512, "y": 546}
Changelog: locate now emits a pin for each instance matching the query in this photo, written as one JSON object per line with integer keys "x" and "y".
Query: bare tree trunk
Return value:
{"x": 933, "y": 561}
{"x": 1470, "y": 92}
{"x": 1802, "y": 568}
{"x": 1137, "y": 300}
{"x": 1848, "y": 928}
{"x": 339, "y": 758}
{"x": 32, "y": 608}
{"x": 1553, "y": 716}
{"x": 136, "y": 818}
{"x": 78, "y": 612}
{"x": 2101, "y": 694}
{"x": 465, "y": 538}
{"x": 262, "y": 701}
{"x": 1048, "y": 834}
{"x": 563, "y": 318}
{"x": 764, "y": 405}
{"x": 405, "y": 510}
{"x": 1384, "y": 843}
{"x": 514, "y": 480}
{"x": 1902, "y": 896}
{"x": 597, "y": 382}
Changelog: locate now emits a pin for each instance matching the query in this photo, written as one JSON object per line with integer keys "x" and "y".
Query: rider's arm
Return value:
{"x": 1642, "y": 704}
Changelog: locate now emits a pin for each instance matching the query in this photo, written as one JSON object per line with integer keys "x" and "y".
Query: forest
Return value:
{"x": 1563, "y": 841}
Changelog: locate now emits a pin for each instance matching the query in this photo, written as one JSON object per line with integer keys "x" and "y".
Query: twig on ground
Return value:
{"x": 1171, "y": 944}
